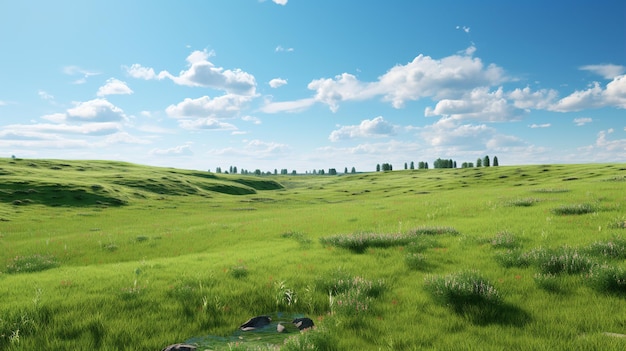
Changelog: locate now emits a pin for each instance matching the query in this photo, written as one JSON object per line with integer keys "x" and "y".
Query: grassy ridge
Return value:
{"x": 185, "y": 254}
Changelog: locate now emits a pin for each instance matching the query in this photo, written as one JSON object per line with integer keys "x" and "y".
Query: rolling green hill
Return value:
{"x": 99, "y": 255}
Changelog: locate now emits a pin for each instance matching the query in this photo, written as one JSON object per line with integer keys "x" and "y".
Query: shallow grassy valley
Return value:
{"x": 102, "y": 255}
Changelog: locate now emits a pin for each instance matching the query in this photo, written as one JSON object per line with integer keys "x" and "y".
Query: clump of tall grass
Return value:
{"x": 416, "y": 261}
{"x": 319, "y": 339}
{"x": 466, "y": 287}
{"x": 504, "y": 239}
{"x": 551, "y": 190}
{"x": 568, "y": 260}
{"x": 300, "y": 237}
{"x": 575, "y": 209}
{"x": 607, "y": 279}
{"x": 238, "y": 272}
{"x": 284, "y": 295}
{"x": 619, "y": 223}
{"x": 614, "y": 248}
{"x": 31, "y": 263}
{"x": 436, "y": 230}
{"x": 512, "y": 258}
{"x": 359, "y": 242}
{"x": 524, "y": 202}
{"x": 350, "y": 295}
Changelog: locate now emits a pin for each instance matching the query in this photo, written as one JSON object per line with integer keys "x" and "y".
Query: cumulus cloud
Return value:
{"x": 607, "y": 71}
{"x": 544, "y": 125}
{"x": 225, "y": 106}
{"x": 280, "y": 2}
{"x": 528, "y": 99}
{"x": 479, "y": 104}
{"x": 277, "y": 82}
{"x": 114, "y": 87}
{"x": 202, "y": 73}
{"x": 425, "y": 76}
{"x": 96, "y": 110}
{"x": 582, "y": 121}
{"x": 614, "y": 94}
{"x": 376, "y": 127}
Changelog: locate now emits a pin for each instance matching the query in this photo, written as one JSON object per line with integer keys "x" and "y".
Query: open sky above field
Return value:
{"x": 301, "y": 84}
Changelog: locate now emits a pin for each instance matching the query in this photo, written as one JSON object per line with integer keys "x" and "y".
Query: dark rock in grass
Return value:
{"x": 255, "y": 323}
{"x": 303, "y": 323}
{"x": 180, "y": 347}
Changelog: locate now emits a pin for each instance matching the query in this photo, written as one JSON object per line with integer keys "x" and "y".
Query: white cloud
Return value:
{"x": 45, "y": 96}
{"x": 202, "y": 73}
{"x": 85, "y": 129}
{"x": 206, "y": 123}
{"x": 251, "y": 119}
{"x": 277, "y": 82}
{"x": 3, "y": 103}
{"x": 607, "y": 71}
{"x": 446, "y": 78}
{"x": 287, "y": 106}
{"x": 582, "y": 121}
{"x": 138, "y": 71}
{"x": 114, "y": 87}
{"x": 479, "y": 104}
{"x": 376, "y": 127}
{"x": 225, "y": 106}
{"x": 97, "y": 110}
{"x": 538, "y": 100}
{"x": 545, "y": 125}
{"x": 180, "y": 150}
{"x": 464, "y": 28}
{"x": 280, "y": 2}
{"x": 84, "y": 73}
{"x": 282, "y": 49}
{"x": 595, "y": 97}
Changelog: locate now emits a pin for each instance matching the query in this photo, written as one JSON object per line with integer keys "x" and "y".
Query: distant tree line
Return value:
{"x": 284, "y": 171}
{"x": 441, "y": 163}
{"x": 384, "y": 167}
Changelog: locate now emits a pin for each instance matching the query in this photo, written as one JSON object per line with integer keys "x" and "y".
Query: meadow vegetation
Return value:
{"x": 98, "y": 255}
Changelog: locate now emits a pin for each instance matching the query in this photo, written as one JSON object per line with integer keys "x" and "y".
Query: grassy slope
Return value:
{"x": 147, "y": 254}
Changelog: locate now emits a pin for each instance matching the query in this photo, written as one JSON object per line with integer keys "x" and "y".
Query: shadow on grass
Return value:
{"x": 486, "y": 313}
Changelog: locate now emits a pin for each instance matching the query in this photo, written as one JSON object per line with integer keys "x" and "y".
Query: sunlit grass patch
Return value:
{"x": 575, "y": 209}
{"x": 32, "y": 263}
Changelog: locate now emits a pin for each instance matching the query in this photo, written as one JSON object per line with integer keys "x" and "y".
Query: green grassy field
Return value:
{"x": 99, "y": 255}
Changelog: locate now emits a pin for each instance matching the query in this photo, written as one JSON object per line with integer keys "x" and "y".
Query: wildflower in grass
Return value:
{"x": 32, "y": 263}
{"x": 607, "y": 279}
{"x": 614, "y": 248}
{"x": 504, "y": 239}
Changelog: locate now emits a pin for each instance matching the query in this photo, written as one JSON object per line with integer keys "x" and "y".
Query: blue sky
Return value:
{"x": 303, "y": 85}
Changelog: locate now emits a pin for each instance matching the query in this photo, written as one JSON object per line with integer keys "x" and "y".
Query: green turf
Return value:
{"x": 98, "y": 255}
